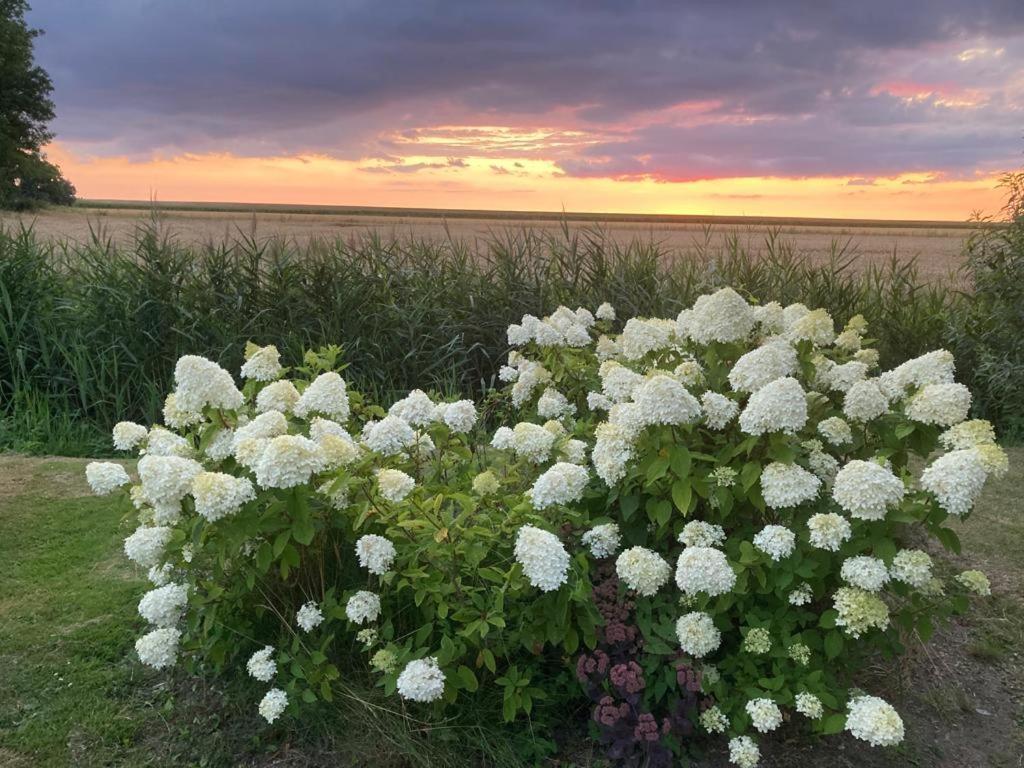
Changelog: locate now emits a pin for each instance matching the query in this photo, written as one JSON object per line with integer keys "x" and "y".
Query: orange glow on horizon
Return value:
{"x": 491, "y": 182}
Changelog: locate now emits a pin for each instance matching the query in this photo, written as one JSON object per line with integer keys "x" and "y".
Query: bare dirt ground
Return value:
{"x": 936, "y": 245}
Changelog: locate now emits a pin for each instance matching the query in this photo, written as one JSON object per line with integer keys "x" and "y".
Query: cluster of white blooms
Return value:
{"x": 602, "y": 540}
{"x": 698, "y": 635}
{"x": 486, "y": 483}
{"x": 261, "y": 665}
{"x": 279, "y": 396}
{"x": 375, "y": 553}
{"x": 721, "y": 316}
{"x": 162, "y": 442}
{"x": 743, "y": 752}
{"x": 776, "y": 541}
{"x": 394, "y": 484}
{"x": 968, "y": 434}
{"x": 787, "y": 485}
{"x": 218, "y": 494}
{"x": 865, "y": 401}
{"x": 390, "y": 436}
{"x": 765, "y": 714}
{"x": 956, "y": 480}
{"x": 809, "y": 705}
{"x": 574, "y": 451}
{"x": 460, "y": 416}
{"x": 976, "y": 581}
{"x": 714, "y": 720}
{"x": 828, "y": 531}
{"x": 327, "y": 395}
{"x": 875, "y": 721}
{"x": 128, "y": 435}
{"x": 839, "y": 378}
{"x": 530, "y": 376}
{"x": 932, "y": 368}
{"x": 273, "y": 704}
{"x": 164, "y": 605}
{"x": 179, "y": 418}
{"x": 759, "y": 367}
{"x": 618, "y": 383}
{"x": 942, "y": 404}
{"x": 262, "y": 364}
{"x": 779, "y": 406}
{"x": 287, "y": 461}
{"x": 698, "y": 533}
{"x": 543, "y": 557}
{"x": 661, "y": 399}
{"x": 421, "y": 680}
{"x": 552, "y": 404}
{"x": 718, "y": 409}
{"x": 912, "y": 567}
{"x": 165, "y": 482}
{"x": 563, "y": 483}
{"x": 416, "y": 409}
{"x": 835, "y": 430}
{"x": 815, "y": 326}
{"x": 105, "y": 477}
{"x": 309, "y": 617}
{"x": 704, "y": 569}
{"x": 758, "y": 640}
{"x": 859, "y": 611}
{"x": 643, "y": 570}
{"x": 802, "y": 595}
{"x": 643, "y": 336}
{"x": 201, "y": 383}
{"x": 146, "y": 546}
{"x": 866, "y": 489}
{"x": 868, "y": 573}
{"x": 531, "y": 442}
{"x": 613, "y": 450}
{"x": 362, "y": 607}
{"x": 605, "y": 312}
{"x": 158, "y": 649}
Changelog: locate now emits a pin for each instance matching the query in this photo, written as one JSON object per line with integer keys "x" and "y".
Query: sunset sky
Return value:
{"x": 866, "y": 109}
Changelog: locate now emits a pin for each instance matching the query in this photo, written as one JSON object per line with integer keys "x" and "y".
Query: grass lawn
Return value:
{"x": 72, "y": 695}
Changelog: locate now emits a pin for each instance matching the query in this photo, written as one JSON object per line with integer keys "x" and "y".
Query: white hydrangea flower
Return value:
{"x": 704, "y": 569}
{"x": 176, "y": 417}
{"x": 809, "y": 705}
{"x": 743, "y": 752}
{"x": 287, "y": 461}
{"x": 787, "y": 485}
{"x": 164, "y": 605}
{"x": 128, "y": 435}
{"x": 835, "y": 430}
{"x": 220, "y": 447}
{"x": 627, "y": 416}
{"x": 200, "y": 383}
{"x": 779, "y": 406}
{"x": 613, "y": 450}
{"x": 718, "y": 410}
{"x": 504, "y": 439}
{"x": 552, "y": 404}
{"x": 563, "y": 483}
{"x": 158, "y": 649}
{"x": 460, "y": 416}
{"x": 605, "y": 312}
{"x": 574, "y": 451}
{"x": 698, "y": 533}
{"x": 531, "y": 376}
{"x": 508, "y": 374}
{"x": 618, "y": 382}
{"x": 163, "y": 442}
{"x": 774, "y": 360}
{"x": 261, "y": 665}
{"x": 265, "y": 426}
{"x": 607, "y": 348}
{"x": 105, "y": 477}
{"x": 543, "y": 558}
{"x": 698, "y": 635}
{"x": 389, "y": 436}
{"x": 517, "y": 335}
{"x": 839, "y": 378}
{"x": 273, "y": 704}
{"x": 416, "y": 409}
{"x": 598, "y": 402}
{"x": 532, "y": 442}
{"x": 690, "y": 373}
{"x": 873, "y": 720}
{"x": 338, "y": 451}
{"x": 421, "y": 680}
{"x": 765, "y": 714}
{"x": 776, "y": 541}
{"x": 942, "y": 404}
{"x": 602, "y": 540}
{"x": 968, "y": 434}
{"x": 722, "y": 316}
{"x": 770, "y": 317}
{"x": 166, "y": 480}
{"x": 976, "y": 581}
{"x": 309, "y": 617}
{"x": 663, "y": 400}
{"x": 278, "y": 396}
{"x": 640, "y": 337}
{"x": 815, "y": 326}
{"x": 218, "y": 495}
{"x": 912, "y": 567}
{"x": 868, "y": 573}
{"x": 643, "y": 570}
{"x": 828, "y": 531}
{"x": 264, "y": 364}
{"x": 362, "y": 607}
{"x": 376, "y": 554}
{"x": 865, "y": 401}
{"x": 956, "y": 480}
{"x": 394, "y": 484}
{"x": 546, "y": 335}
{"x": 859, "y": 611}
{"x": 866, "y": 490}
{"x": 802, "y": 595}
{"x": 714, "y": 720}
{"x": 326, "y": 396}
{"x": 160, "y": 575}
{"x": 146, "y": 546}
{"x": 932, "y": 368}
{"x": 823, "y": 465}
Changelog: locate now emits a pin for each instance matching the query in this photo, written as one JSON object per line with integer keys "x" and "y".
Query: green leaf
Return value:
{"x": 467, "y": 679}
{"x": 833, "y": 644}
{"x": 949, "y": 539}
{"x": 302, "y": 529}
{"x": 833, "y": 724}
{"x": 682, "y": 494}
{"x": 680, "y": 461}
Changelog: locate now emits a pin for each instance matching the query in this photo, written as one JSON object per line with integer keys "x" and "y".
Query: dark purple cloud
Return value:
{"x": 791, "y": 88}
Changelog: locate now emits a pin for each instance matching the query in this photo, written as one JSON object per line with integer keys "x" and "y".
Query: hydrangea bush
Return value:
{"x": 706, "y": 518}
